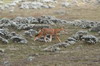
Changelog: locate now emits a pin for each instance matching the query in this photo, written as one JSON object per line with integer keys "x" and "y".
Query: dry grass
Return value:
{"x": 70, "y": 13}
{"x": 7, "y": 1}
{"x": 86, "y": 12}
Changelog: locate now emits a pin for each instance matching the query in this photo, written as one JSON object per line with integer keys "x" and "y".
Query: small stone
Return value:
{"x": 71, "y": 42}
{"x": 30, "y": 58}
{"x": 2, "y": 50}
{"x": 6, "y": 63}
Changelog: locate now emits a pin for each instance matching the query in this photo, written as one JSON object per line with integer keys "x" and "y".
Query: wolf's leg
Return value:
{"x": 45, "y": 38}
{"x": 50, "y": 38}
{"x": 58, "y": 38}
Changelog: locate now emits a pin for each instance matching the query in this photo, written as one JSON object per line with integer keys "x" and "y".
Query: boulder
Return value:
{"x": 95, "y": 29}
{"x": 66, "y": 4}
{"x": 32, "y": 20}
{"x": 30, "y": 32}
{"x": 21, "y": 20}
{"x": 79, "y": 34}
{"x": 90, "y": 39}
{"x": 35, "y": 5}
{"x": 5, "y": 33}
{"x": 41, "y": 39}
{"x": 56, "y": 47}
{"x": 24, "y": 27}
{"x": 49, "y": 20}
{"x": 3, "y": 40}
{"x": 13, "y": 34}
{"x": 18, "y": 39}
{"x": 85, "y": 23}
{"x": 5, "y": 22}
{"x": 71, "y": 40}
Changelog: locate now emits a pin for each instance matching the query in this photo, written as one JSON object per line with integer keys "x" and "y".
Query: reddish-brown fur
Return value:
{"x": 49, "y": 31}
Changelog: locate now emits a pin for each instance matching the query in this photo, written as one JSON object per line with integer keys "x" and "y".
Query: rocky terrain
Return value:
{"x": 21, "y": 20}
{"x": 18, "y": 34}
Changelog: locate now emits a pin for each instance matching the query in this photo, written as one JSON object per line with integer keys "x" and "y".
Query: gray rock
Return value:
{"x": 51, "y": 49}
{"x": 21, "y": 20}
{"x": 24, "y": 27}
{"x": 71, "y": 39}
{"x": 48, "y": 1}
{"x": 79, "y": 34}
{"x": 6, "y": 63}
{"x": 95, "y": 29}
{"x": 30, "y": 58}
{"x": 82, "y": 32}
{"x": 45, "y": 6}
{"x": 85, "y": 23}
{"x": 62, "y": 44}
{"x": 56, "y": 47}
{"x": 3, "y": 40}
{"x": 30, "y": 32}
{"x": 49, "y": 20}
{"x": 34, "y": 5}
{"x": 2, "y": 50}
{"x": 5, "y": 22}
{"x": 18, "y": 39}
{"x": 5, "y": 33}
{"x": 66, "y": 4}
{"x": 71, "y": 42}
{"x": 41, "y": 39}
{"x": 90, "y": 39}
{"x": 51, "y": 6}
{"x": 22, "y": 23}
{"x": 13, "y": 34}
{"x": 32, "y": 20}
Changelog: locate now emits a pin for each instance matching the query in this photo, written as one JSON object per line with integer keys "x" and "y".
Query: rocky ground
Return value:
{"x": 87, "y": 11}
{"x": 80, "y": 44}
